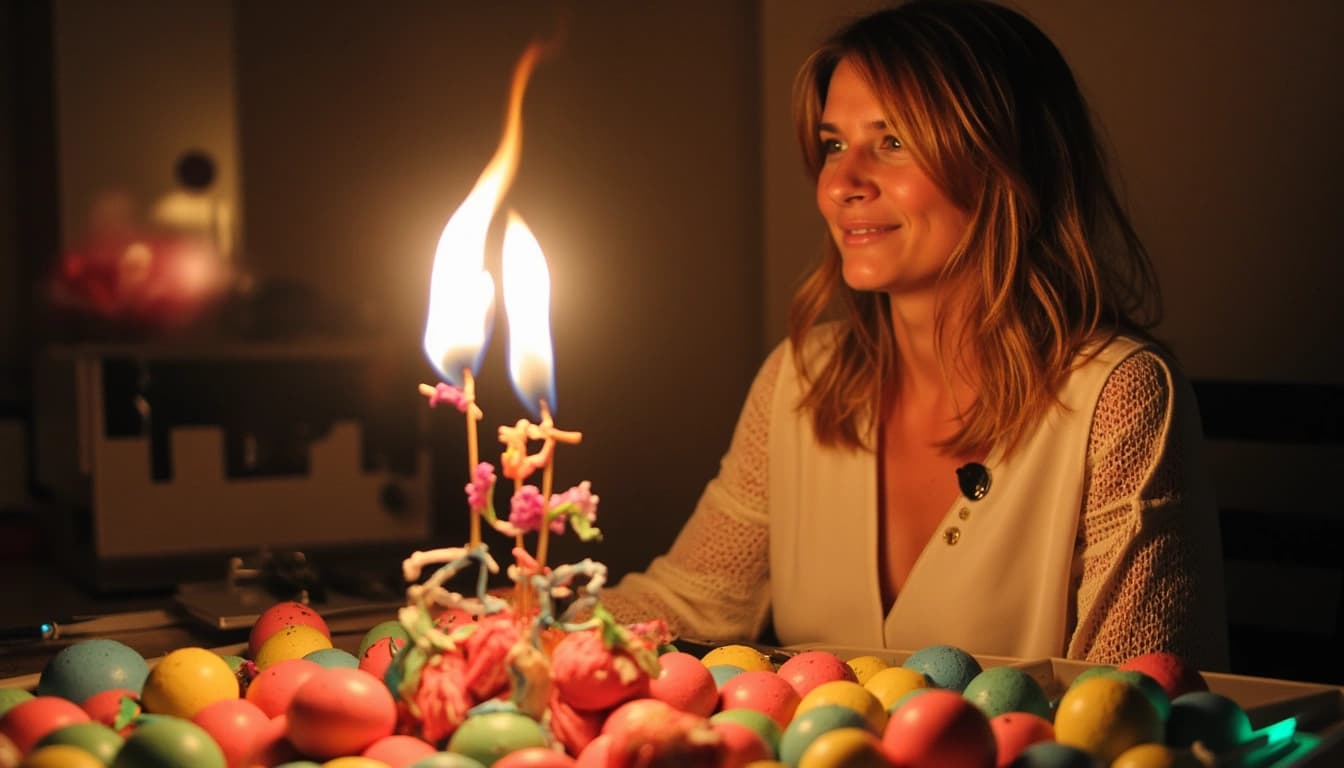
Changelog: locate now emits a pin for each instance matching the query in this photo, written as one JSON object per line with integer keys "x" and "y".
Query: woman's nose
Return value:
{"x": 849, "y": 181}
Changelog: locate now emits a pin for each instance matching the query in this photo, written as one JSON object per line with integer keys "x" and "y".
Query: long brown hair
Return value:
{"x": 1052, "y": 266}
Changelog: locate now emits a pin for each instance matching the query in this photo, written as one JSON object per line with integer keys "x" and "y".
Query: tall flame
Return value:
{"x": 461, "y": 292}
{"x": 527, "y": 299}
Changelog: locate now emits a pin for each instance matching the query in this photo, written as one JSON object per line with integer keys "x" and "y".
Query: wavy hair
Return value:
{"x": 1050, "y": 268}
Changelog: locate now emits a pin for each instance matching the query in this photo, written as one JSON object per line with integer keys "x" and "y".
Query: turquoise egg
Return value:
{"x": 333, "y": 657}
{"x": 487, "y": 737}
{"x": 945, "y": 666}
{"x": 80, "y": 670}
{"x": 805, "y": 728}
{"x": 1007, "y": 689}
{"x": 722, "y": 673}
{"x": 1050, "y": 754}
{"x": 1209, "y": 717}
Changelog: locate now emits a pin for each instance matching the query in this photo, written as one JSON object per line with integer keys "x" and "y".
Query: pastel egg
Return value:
{"x": 764, "y": 725}
{"x": 95, "y": 738}
{"x": 808, "y": 669}
{"x": 339, "y": 711}
{"x": 864, "y": 667}
{"x": 846, "y": 693}
{"x": 744, "y": 656}
{"x": 1156, "y": 756}
{"x": 399, "y": 750}
{"x": 87, "y": 667}
{"x": 187, "y": 680}
{"x": 740, "y": 745}
{"x": 1051, "y": 754}
{"x": 293, "y": 642}
{"x": 273, "y": 688}
{"x": 1176, "y": 676}
{"x": 377, "y": 658}
{"x": 109, "y": 706}
{"x": 270, "y": 745}
{"x": 354, "y": 761}
{"x": 762, "y": 691}
{"x": 535, "y": 757}
{"x": 891, "y": 684}
{"x": 807, "y": 726}
{"x": 332, "y": 657}
{"x": 1104, "y": 716}
{"x": 389, "y": 628}
{"x": 1157, "y": 695}
{"x": 946, "y": 666}
{"x": 1007, "y": 689}
{"x": 234, "y": 725}
{"x": 845, "y": 748}
{"x": 61, "y": 756}
{"x": 449, "y": 760}
{"x": 284, "y": 614}
{"x": 28, "y": 721}
{"x": 1212, "y": 718}
{"x": 488, "y": 737}
{"x": 939, "y": 727}
{"x": 1015, "y": 731}
{"x": 685, "y": 683}
{"x": 722, "y": 673}
{"x": 169, "y": 741}
{"x": 11, "y": 696}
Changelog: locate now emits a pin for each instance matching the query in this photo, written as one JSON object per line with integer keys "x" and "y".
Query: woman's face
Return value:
{"x": 894, "y": 227}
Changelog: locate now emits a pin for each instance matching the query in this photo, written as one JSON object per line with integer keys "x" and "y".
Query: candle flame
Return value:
{"x": 527, "y": 299}
{"x": 461, "y": 292}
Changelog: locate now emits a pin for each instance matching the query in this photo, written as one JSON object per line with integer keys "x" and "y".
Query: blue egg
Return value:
{"x": 333, "y": 657}
{"x": 1209, "y": 717}
{"x": 1050, "y": 754}
{"x": 806, "y": 727}
{"x": 79, "y": 671}
{"x": 945, "y": 666}
{"x": 722, "y": 673}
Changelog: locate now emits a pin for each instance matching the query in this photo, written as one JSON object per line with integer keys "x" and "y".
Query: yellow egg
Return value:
{"x": 1105, "y": 716}
{"x": 844, "y": 748}
{"x": 1156, "y": 756}
{"x": 850, "y": 695}
{"x": 292, "y": 642}
{"x": 186, "y": 681}
{"x": 766, "y": 764}
{"x": 865, "y": 667}
{"x": 60, "y": 756}
{"x": 890, "y": 684}
{"x": 354, "y": 762}
{"x": 744, "y": 656}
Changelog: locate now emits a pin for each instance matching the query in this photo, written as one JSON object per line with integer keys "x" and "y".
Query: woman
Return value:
{"x": 984, "y": 449}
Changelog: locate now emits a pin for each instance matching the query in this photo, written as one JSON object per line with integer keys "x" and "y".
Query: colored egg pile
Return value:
{"x": 296, "y": 701}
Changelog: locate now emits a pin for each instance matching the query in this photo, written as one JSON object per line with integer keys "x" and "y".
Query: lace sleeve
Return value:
{"x": 1143, "y": 584}
{"x": 713, "y": 584}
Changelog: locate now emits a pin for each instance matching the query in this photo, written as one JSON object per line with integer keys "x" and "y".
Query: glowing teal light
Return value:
{"x": 1277, "y": 733}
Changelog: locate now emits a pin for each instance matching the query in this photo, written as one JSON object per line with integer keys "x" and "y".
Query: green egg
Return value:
{"x": 11, "y": 696}
{"x": 95, "y": 738}
{"x": 1156, "y": 694}
{"x": 389, "y": 628}
{"x": 169, "y": 742}
{"x": 487, "y": 737}
{"x": 333, "y": 657}
{"x": 805, "y": 728}
{"x": 1007, "y": 689}
{"x": 763, "y": 724}
{"x": 446, "y": 760}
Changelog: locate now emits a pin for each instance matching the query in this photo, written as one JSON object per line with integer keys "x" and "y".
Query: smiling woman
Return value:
{"x": 984, "y": 448}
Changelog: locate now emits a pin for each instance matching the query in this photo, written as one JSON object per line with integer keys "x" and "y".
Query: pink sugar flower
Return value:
{"x": 525, "y": 508}
{"x": 479, "y": 490}
{"x": 447, "y": 393}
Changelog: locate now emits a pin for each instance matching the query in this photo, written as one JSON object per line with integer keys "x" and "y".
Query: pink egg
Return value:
{"x": 534, "y": 757}
{"x": 105, "y": 706}
{"x": 597, "y": 754}
{"x": 279, "y": 616}
{"x": 809, "y": 669}
{"x": 574, "y": 728}
{"x": 271, "y": 745}
{"x": 399, "y": 750}
{"x": 234, "y": 725}
{"x": 340, "y": 711}
{"x": 1174, "y": 674}
{"x": 939, "y": 728}
{"x": 762, "y": 691}
{"x": 1015, "y": 731}
{"x": 741, "y": 745}
{"x": 28, "y": 721}
{"x": 379, "y": 656}
{"x": 686, "y": 684}
{"x": 651, "y": 732}
{"x": 273, "y": 687}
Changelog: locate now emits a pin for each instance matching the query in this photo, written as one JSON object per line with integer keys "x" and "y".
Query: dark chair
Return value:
{"x": 1277, "y": 455}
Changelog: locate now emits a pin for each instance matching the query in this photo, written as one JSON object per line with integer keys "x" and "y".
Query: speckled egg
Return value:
{"x": 740, "y": 744}
{"x": 1050, "y": 754}
{"x": 744, "y": 656}
{"x": 333, "y": 657}
{"x": 28, "y": 721}
{"x": 169, "y": 741}
{"x": 390, "y": 628}
{"x": 399, "y": 749}
{"x": 808, "y": 669}
{"x": 1104, "y": 716}
{"x": 293, "y": 642}
{"x": 846, "y": 693}
{"x": 95, "y": 738}
{"x": 807, "y": 726}
{"x": 762, "y": 691}
{"x": 946, "y": 666}
{"x": 864, "y": 667}
{"x": 893, "y": 683}
{"x": 845, "y": 748}
{"x": 685, "y": 683}
{"x": 87, "y": 667}
{"x": 273, "y": 688}
{"x": 1007, "y": 689}
{"x": 339, "y": 711}
{"x": 939, "y": 727}
{"x": 187, "y": 680}
{"x": 764, "y": 725}
{"x": 279, "y": 616}
{"x": 234, "y": 725}
{"x": 1212, "y": 718}
{"x": 1176, "y": 676}
{"x": 1015, "y": 731}
{"x": 722, "y": 673}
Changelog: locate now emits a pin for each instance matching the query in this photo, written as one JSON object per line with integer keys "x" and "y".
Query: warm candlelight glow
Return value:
{"x": 461, "y": 292}
{"x": 527, "y": 299}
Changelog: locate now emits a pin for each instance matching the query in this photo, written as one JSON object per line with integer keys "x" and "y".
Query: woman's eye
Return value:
{"x": 831, "y": 146}
{"x": 891, "y": 142}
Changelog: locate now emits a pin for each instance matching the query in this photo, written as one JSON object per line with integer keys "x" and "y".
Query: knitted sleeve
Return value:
{"x": 1145, "y": 580}
{"x": 713, "y": 584}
